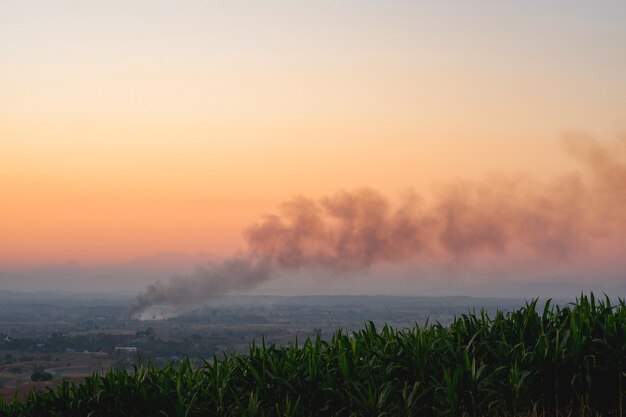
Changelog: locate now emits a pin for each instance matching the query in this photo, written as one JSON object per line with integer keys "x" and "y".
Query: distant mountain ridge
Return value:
{"x": 132, "y": 275}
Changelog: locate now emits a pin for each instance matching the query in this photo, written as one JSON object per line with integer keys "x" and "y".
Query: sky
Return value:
{"x": 133, "y": 128}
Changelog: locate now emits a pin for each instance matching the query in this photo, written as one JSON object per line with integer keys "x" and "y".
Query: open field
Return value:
{"x": 15, "y": 376}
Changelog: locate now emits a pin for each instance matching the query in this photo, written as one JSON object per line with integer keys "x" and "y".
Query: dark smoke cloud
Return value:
{"x": 206, "y": 282}
{"x": 354, "y": 230}
{"x": 344, "y": 231}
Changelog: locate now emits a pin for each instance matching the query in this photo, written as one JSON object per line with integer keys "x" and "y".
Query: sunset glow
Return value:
{"x": 133, "y": 128}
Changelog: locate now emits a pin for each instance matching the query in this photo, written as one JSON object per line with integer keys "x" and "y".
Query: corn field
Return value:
{"x": 539, "y": 360}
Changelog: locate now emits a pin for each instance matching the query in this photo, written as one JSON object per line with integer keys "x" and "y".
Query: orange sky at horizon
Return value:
{"x": 127, "y": 130}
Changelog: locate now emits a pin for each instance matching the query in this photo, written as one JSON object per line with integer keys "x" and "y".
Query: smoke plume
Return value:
{"x": 347, "y": 231}
{"x": 207, "y": 281}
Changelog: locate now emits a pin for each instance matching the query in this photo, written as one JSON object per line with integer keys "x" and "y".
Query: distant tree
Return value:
{"x": 149, "y": 332}
{"x": 41, "y": 376}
